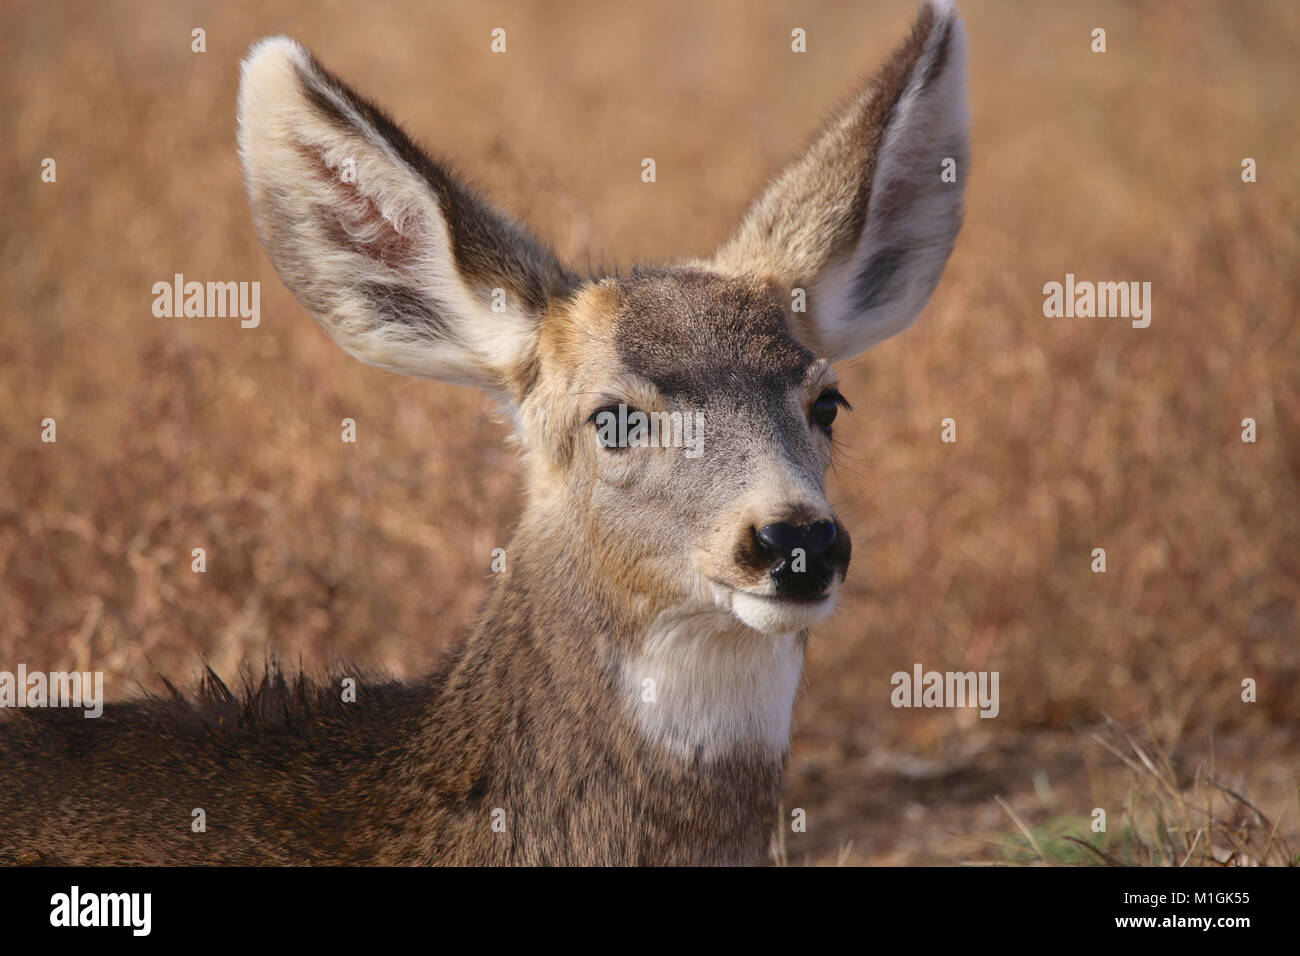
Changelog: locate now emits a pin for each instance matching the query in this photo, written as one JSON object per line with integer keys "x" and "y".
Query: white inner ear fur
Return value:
{"x": 277, "y": 123}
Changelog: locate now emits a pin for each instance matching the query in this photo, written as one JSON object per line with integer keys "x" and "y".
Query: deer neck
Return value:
{"x": 681, "y": 678}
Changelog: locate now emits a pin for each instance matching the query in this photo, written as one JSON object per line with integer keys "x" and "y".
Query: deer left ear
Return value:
{"x": 865, "y": 220}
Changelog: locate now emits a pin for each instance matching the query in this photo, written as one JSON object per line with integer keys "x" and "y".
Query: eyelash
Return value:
{"x": 591, "y": 419}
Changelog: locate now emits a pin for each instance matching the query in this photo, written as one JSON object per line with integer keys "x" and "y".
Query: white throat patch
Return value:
{"x": 703, "y": 683}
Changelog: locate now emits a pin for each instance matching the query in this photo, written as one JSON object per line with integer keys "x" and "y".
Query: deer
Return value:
{"x": 626, "y": 695}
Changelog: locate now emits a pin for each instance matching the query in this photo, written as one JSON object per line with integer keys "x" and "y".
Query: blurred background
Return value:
{"x": 1120, "y": 691}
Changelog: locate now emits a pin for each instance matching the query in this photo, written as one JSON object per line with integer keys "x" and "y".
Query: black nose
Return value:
{"x": 784, "y": 539}
{"x": 799, "y": 554}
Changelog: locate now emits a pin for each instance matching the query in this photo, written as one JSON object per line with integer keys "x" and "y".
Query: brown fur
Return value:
{"x": 521, "y": 717}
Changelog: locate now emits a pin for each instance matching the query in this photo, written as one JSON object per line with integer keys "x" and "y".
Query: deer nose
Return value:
{"x": 802, "y": 562}
{"x": 802, "y": 559}
{"x": 784, "y": 539}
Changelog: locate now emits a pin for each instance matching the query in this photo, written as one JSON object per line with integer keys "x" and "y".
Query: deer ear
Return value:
{"x": 865, "y": 220}
{"x": 400, "y": 263}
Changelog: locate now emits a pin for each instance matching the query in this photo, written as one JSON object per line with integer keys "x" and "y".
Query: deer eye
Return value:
{"x": 612, "y": 426}
{"x": 826, "y": 407}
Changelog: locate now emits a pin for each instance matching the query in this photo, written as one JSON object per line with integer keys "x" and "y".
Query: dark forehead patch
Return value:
{"x": 691, "y": 333}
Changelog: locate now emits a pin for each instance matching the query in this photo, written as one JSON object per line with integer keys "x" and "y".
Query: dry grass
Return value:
{"x": 1073, "y": 433}
{"x": 1165, "y": 820}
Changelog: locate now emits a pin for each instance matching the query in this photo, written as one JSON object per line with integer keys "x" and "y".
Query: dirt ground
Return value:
{"x": 1073, "y": 433}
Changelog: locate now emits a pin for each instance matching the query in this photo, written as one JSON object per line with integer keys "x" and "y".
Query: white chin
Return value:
{"x": 776, "y": 616}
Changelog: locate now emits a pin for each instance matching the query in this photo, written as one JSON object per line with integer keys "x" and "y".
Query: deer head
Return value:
{"x": 726, "y": 523}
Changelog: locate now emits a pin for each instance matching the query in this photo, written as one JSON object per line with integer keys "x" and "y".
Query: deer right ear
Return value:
{"x": 402, "y": 265}
{"x": 866, "y": 218}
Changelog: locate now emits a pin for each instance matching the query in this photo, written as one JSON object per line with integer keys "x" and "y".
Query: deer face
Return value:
{"x": 676, "y": 423}
{"x": 718, "y": 498}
